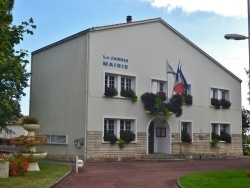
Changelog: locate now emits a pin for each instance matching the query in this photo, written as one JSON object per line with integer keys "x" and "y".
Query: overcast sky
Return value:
{"x": 204, "y": 22}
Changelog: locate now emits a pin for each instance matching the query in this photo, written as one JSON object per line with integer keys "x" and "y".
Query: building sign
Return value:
{"x": 114, "y": 61}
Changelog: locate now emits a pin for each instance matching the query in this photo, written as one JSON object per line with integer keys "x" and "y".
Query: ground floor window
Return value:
{"x": 186, "y": 131}
{"x": 57, "y": 139}
{"x": 118, "y": 126}
{"x": 221, "y": 132}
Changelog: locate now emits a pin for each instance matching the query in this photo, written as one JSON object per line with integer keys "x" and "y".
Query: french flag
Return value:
{"x": 180, "y": 84}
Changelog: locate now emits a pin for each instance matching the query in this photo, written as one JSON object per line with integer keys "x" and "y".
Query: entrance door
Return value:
{"x": 151, "y": 138}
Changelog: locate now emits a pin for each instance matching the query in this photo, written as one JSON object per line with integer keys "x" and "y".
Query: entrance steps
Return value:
{"x": 161, "y": 157}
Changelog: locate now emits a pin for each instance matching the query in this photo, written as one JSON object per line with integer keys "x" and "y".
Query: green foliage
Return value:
{"x": 30, "y": 120}
{"x": 49, "y": 175}
{"x": 134, "y": 98}
{"x": 245, "y": 121}
{"x": 110, "y": 92}
{"x": 13, "y": 75}
{"x": 18, "y": 165}
{"x": 221, "y": 179}
{"x": 121, "y": 143}
{"x": 185, "y": 137}
{"x": 110, "y": 137}
{"x": 214, "y": 143}
{"x": 127, "y": 136}
{"x": 156, "y": 105}
{"x": 129, "y": 93}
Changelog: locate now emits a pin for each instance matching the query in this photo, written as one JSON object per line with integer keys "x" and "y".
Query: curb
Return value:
{"x": 62, "y": 178}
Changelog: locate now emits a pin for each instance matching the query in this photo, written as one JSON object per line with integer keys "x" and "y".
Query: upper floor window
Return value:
{"x": 119, "y": 83}
{"x": 219, "y": 94}
{"x": 110, "y": 81}
{"x": 158, "y": 86}
{"x": 220, "y": 98}
{"x": 126, "y": 83}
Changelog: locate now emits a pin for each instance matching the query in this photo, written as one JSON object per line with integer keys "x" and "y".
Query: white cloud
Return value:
{"x": 228, "y": 8}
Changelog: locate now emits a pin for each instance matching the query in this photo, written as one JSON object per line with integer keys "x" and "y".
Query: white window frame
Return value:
{"x": 117, "y": 126}
{"x": 49, "y": 137}
{"x": 218, "y": 127}
{"x": 189, "y": 128}
{"x": 118, "y": 76}
{"x": 217, "y": 93}
{"x": 158, "y": 85}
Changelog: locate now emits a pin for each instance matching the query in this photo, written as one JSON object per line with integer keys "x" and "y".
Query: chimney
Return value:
{"x": 129, "y": 19}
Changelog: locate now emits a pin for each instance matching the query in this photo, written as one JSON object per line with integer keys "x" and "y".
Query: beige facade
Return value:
{"x": 68, "y": 83}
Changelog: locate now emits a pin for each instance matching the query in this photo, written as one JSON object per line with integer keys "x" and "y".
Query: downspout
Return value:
{"x": 86, "y": 98}
{"x": 30, "y": 84}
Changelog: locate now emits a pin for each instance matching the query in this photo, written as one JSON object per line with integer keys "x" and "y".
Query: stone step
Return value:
{"x": 161, "y": 157}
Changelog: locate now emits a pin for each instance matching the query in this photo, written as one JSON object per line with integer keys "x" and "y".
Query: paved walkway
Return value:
{"x": 141, "y": 174}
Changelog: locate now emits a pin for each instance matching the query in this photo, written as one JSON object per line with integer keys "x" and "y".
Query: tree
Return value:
{"x": 245, "y": 121}
{"x": 13, "y": 74}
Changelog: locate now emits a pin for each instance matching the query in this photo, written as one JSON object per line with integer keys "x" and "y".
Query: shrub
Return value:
{"x": 110, "y": 92}
{"x": 18, "y": 165}
{"x": 30, "y": 120}
{"x": 214, "y": 143}
{"x": 185, "y": 137}
{"x": 134, "y": 98}
{"x": 110, "y": 137}
{"x": 127, "y": 136}
{"x": 121, "y": 143}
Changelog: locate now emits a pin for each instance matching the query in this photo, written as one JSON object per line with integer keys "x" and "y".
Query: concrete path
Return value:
{"x": 141, "y": 174}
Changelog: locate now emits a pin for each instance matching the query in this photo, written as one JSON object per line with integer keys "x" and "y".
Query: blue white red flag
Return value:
{"x": 181, "y": 84}
{"x": 184, "y": 81}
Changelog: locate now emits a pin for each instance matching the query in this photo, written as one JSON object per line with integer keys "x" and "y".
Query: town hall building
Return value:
{"x": 98, "y": 81}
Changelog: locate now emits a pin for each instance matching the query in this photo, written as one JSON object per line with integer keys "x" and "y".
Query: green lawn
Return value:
{"x": 49, "y": 174}
{"x": 217, "y": 179}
